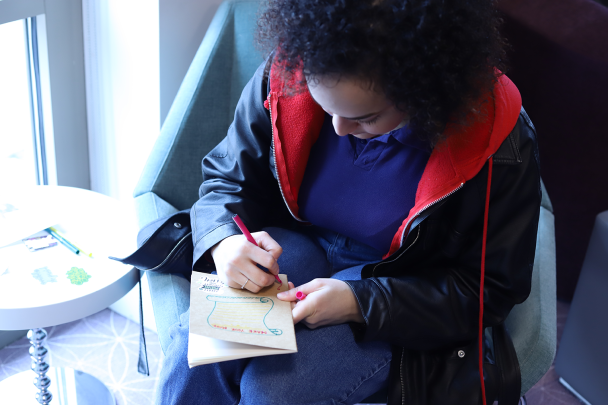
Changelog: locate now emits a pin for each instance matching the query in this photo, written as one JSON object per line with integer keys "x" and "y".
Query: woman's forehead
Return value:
{"x": 349, "y": 98}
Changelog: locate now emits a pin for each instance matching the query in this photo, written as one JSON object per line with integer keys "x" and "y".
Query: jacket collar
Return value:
{"x": 296, "y": 123}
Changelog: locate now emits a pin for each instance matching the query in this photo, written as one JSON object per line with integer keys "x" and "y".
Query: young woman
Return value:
{"x": 388, "y": 169}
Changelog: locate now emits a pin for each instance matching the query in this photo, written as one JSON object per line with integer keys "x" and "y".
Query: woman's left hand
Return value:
{"x": 328, "y": 302}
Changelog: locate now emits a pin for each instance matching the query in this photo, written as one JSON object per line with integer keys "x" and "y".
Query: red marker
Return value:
{"x": 243, "y": 228}
{"x": 300, "y": 295}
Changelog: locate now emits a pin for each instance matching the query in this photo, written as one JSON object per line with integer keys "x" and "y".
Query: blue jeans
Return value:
{"x": 329, "y": 367}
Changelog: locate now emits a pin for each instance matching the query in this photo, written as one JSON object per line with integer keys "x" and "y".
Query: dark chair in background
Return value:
{"x": 559, "y": 62}
{"x": 582, "y": 358}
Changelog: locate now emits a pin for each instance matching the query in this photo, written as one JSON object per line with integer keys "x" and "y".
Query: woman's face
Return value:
{"x": 356, "y": 107}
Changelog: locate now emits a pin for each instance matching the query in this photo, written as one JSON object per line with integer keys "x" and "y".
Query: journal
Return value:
{"x": 228, "y": 323}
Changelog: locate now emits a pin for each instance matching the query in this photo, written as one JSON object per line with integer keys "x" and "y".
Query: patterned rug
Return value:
{"x": 105, "y": 345}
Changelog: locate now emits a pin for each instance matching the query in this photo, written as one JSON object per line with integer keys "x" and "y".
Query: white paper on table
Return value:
{"x": 21, "y": 216}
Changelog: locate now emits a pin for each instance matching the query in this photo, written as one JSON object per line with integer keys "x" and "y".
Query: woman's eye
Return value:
{"x": 370, "y": 122}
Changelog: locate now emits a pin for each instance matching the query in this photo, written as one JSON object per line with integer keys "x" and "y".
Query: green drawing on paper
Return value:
{"x": 44, "y": 275}
{"x": 242, "y": 315}
{"x": 78, "y": 276}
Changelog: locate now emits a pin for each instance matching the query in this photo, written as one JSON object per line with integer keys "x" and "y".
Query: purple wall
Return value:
{"x": 559, "y": 62}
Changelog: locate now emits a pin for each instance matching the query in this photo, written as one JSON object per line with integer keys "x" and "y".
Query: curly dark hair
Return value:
{"x": 434, "y": 59}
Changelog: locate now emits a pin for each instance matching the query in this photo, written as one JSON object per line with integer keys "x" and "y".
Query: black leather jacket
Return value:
{"x": 423, "y": 299}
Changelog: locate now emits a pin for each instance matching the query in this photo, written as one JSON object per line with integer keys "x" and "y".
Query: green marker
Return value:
{"x": 62, "y": 240}
{"x": 57, "y": 233}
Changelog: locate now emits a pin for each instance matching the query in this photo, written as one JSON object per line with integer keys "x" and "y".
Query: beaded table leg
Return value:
{"x": 38, "y": 353}
{"x": 71, "y": 387}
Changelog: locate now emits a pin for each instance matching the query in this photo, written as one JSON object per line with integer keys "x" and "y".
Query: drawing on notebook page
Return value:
{"x": 242, "y": 315}
{"x": 231, "y": 323}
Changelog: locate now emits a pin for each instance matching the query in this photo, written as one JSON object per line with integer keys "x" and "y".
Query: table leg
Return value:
{"x": 71, "y": 387}
{"x": 38, "y": 352}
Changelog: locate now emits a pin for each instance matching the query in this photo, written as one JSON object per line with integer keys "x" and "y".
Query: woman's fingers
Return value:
{"x": 248, "y": 284}
{"x": 291, "y": 286}
{"x": 237, "y": 260}
{"x": 301, "y": 311}
{"x": 326, "y": 302}
{"x": 292, "y": 293}
{"x": 236, "y": 275}
{"x": 267, "y": 253}
{"x": 268, "y": 244}
{"x": 242, "y": 282}
{"x": 258, "y": 254}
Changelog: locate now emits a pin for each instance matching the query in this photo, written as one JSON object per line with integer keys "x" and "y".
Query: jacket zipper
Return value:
{"x": 274, "y": 157}
{"x": 390, "y": 261}
{"x": 428, "y": 206}
{"x": 406, "y": 249}
{"x": 418, "y": 234}
{"x": 169, "y": 256}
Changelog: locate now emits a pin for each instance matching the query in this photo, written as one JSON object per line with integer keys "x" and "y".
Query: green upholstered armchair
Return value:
{"x": 198, "y": 120}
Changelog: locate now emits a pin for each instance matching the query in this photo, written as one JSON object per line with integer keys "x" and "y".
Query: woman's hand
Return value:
{"x": 236, "y": 261}
{"x": 328, "y": 302}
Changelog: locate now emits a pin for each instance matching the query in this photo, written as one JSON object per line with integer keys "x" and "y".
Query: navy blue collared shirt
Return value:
{"x": 362, "y": 189}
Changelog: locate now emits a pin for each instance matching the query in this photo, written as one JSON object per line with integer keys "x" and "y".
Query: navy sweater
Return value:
{"x": 362, "y": 189}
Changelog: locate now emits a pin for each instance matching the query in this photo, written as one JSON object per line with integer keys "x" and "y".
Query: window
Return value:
{"x": 43, "y": 128}
{"x": 18, "y": 157}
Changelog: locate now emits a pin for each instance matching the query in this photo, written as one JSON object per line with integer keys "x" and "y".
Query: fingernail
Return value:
{"x": 281, "y": 295}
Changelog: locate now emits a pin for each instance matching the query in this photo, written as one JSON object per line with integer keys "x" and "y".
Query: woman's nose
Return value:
{"x": 343, "y": 126}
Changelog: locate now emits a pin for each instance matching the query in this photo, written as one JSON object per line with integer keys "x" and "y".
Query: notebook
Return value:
{"x": 228, "y": 323}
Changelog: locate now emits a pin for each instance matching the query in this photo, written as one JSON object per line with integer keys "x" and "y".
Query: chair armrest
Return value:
{"x": 533, "y": 323}
{"x": 169, "y": 293}
{"x": 150, "y": 207}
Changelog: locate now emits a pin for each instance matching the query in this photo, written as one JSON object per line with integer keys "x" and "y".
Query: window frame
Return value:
{"x": 62, "y": 85}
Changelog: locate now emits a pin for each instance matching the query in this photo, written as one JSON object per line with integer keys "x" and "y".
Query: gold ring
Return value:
{"x": 243, "y": 286}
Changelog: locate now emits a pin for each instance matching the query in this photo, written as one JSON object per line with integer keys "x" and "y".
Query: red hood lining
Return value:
{"x": 297, "y": 121}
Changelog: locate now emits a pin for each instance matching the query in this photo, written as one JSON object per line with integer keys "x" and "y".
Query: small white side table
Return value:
{"x": 53, "y": 286}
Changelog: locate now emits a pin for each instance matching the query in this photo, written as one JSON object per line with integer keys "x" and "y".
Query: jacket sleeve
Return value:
{"x": 237, "y": 178}
{"x": 432, "y": 300}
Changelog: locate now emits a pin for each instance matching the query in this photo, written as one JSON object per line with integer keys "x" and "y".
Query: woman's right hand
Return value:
{"x": 236, "y": 261}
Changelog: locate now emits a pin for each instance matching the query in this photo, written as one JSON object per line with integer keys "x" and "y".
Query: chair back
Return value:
{"x": 533, "y": 323}
{"x": 204, "y": 106}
